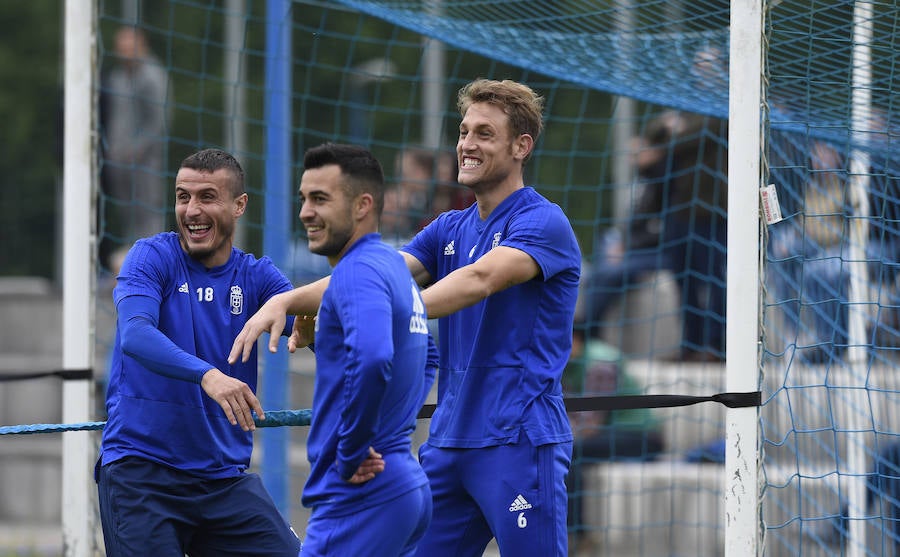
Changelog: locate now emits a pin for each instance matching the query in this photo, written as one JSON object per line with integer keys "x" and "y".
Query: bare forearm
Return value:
{"x": 271, "y": 318}
{"x": 497, "y": 270}
{"x": 304, "y": 300}
{"x": 460, "y": 289}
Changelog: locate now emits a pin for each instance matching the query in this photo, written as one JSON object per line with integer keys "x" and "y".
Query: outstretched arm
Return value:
{"x": 495, "y": 271}
{"x": 271, "y": 317}
{"x": 138, "y": 319}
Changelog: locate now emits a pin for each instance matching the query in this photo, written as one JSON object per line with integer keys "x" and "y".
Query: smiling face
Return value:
{"x": 206, "y": 212}
{"x": 486, "y": 152}
{"x": 327, "y": 212}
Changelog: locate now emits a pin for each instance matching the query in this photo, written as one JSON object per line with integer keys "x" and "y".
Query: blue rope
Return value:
{"x": 274, "y": 418}
{"x": 278, "y": 418}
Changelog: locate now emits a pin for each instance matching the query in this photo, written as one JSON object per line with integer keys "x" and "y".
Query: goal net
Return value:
{"x": 636, "y": 152}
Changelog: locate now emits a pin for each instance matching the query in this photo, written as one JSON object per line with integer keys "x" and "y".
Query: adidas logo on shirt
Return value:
{"x": 183, "y": 288}
{"x": 519, "y": 504}
{"x": 449, "y": 249}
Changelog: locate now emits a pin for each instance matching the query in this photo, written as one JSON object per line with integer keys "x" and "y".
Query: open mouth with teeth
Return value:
{"x": 198, "y": 231}
{"x": 470, "y": 163}
{"x": 311, "y": 229}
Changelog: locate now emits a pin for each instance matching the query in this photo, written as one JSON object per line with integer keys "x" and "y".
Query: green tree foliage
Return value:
{"x": 31, "y": 154}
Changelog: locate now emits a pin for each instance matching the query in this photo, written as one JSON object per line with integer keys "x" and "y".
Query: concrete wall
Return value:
{"x": 31, "y": 340}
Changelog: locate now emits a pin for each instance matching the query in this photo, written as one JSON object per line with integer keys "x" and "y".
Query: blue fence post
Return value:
{"x": 276, "y": 234}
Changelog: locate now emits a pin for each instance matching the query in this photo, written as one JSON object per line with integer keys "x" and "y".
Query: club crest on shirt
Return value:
{"x": 237, "y": 300}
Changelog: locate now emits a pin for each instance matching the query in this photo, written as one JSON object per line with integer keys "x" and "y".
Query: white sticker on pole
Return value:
{"x": 770, "y": 206}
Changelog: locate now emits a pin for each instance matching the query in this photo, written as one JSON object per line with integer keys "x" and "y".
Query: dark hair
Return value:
{"x": 210, "y": 160}
{"x": 358, "y": 165}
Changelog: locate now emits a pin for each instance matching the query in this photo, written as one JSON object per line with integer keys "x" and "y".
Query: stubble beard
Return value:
{"x": 333, "y": 245}
{"x": 204, "y": 253}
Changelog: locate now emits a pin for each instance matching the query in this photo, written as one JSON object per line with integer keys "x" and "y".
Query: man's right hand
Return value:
{"x": 304, "y": 332}
{"x": 369, "y": 468}
{"x": 270, "y": 318}
{"x": 235, "y": 398}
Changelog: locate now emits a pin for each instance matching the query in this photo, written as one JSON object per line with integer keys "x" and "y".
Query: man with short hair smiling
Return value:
{"x": 172, "y": 469}
{"x": 367, "y": 491}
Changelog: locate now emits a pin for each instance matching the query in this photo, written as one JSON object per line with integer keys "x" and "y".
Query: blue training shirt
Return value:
{"x": 155, "y": 405}
{"x": 371, "y": 344}
{"x": 501, "y": 360}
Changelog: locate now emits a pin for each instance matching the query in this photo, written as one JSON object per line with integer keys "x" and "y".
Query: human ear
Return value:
{"x": 523, "y": 146}
{"x": 240, "y": 204}
{"x": 365, "y": 204}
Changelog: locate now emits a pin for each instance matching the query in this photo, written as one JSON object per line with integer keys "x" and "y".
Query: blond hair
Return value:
{"x": 519, "y": 102}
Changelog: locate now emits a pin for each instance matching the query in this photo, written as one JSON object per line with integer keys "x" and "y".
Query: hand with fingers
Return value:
{"x": 181, "y": 297}
{"x": 369, "y": 468}
{"x": 304, "y": 332}
{"x": 234, "y": 396}
{"x": 271, "y": 319}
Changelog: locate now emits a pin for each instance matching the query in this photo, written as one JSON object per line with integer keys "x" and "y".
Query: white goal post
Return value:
{"x": 742, "y": 459}
{"x": 78, "y": 516}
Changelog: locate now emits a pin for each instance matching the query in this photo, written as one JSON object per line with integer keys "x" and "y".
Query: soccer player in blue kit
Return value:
{"x": 172, "y": 469}
{"x": 502, "y": 277}
{"x": 371, "y": 341}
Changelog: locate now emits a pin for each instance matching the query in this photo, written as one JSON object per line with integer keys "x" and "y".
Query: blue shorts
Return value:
{"x": 514, "y": 493}
{"x": 389, "y": 529}
{"x": 150, "y": 509}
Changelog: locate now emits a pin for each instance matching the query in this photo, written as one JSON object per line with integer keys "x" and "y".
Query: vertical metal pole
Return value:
{"x": 130, "y": 12}
{"x": 235, "y": 91}
{"x": 859, "y": 409}
{"x": 623, "y": 131}
{"x": 434, "y": 98}
{"x": 277, "y": 231}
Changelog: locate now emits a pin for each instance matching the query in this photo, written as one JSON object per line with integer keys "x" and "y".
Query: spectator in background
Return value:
{"x": 883, "y": 250}
{"x": 425, "y": 187}
{"x": 677, "y": 224}
{"x": 596, "y": 368}
{"x": 135, "y": 115}
{"x": 367, "y": 491}
{"x": 172, "y": 472}
{"x": 709, "y": 71}
{"x": 810, "y": 276}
